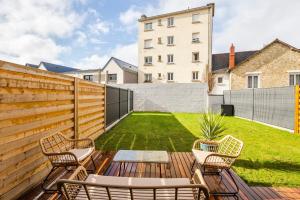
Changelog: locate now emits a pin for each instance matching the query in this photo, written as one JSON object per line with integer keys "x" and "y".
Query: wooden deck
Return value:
{"x": 180, "y": 167}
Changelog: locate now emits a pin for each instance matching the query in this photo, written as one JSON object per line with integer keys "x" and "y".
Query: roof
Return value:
{"x": 265, "y": 47}
{"x": 210, "y": 5}
{"x": 84, "y": 71}
{"x": 123, "y": 65}
{"x": 31, "y": 65}
{"x": 221, "y": 61}
{"x": 57, "y": 68}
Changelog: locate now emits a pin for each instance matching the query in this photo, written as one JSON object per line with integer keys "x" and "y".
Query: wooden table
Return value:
{"x": 134, "y": 156}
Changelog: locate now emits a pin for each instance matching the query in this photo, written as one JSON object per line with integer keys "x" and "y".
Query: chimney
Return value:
{"x": 232, "y": 57}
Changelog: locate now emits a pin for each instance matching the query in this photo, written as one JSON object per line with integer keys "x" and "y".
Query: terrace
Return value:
{"x": 35, "y": 104}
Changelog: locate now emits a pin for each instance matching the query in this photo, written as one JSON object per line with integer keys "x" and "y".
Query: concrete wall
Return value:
{"x": 182, "y": 49}
{"x": 273, "y": 67}
{"x": 185, "y": 97}
{"x": 215, "y": 102}
{"x": 275, "y": 106}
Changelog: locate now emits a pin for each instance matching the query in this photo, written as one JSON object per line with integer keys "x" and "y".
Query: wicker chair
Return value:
{"x": 220, "y": 158}
{"x": 82, "y": 186}
{"x": 63, "y": 152}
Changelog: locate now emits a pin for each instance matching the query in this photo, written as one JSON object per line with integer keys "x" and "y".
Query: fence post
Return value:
{"x": 76, "y": 85}
{"x": 119, "y": 103}
{"x": 252, "y": 104}
{"x": 105, "y": 107}
{"x": 296, "y": 122}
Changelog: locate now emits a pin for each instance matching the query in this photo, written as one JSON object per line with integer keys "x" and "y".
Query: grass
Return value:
{"x": 271, "y": 157}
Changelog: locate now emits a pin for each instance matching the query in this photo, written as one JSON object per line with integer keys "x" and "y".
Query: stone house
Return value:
{"x": 275, "y": 65}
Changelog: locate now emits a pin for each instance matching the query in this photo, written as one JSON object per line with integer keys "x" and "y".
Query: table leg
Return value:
{"x": 160, "y": 170}
{"x": 120, "y": 168}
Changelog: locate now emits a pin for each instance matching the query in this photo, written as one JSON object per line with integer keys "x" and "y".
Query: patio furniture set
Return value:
{"x": 67, "y": 153}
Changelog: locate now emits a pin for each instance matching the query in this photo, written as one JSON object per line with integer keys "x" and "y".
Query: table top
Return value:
{"x": 141, "y": 156}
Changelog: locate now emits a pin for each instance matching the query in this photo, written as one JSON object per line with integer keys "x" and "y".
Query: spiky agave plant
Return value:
{"x": 211, "y": 126}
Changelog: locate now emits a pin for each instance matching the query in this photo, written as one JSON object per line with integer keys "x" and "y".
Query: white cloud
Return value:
{"x": 99, "y": 27}
{"x": 127, "y": 53}
{"x": 28, "y": 29}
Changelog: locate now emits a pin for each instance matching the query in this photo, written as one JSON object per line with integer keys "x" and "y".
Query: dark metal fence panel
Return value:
{"x": 275, "y": 106}
{"x": 117, "y": 104}
{"x": 131, "y": 101}
{"x": 123, "y": 102}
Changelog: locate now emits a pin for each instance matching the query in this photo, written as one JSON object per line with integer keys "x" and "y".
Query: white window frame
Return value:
{"x": 196, "y": 39}
{"x": 159, "y": 22}
{"x": 159, "y": 76}
{"x": 112, "y": 75}
{"x": 148, "y": 77}
{"x": 170, "y": 21}
{"x": 252, "y": 84}
{"x": 170, "y": 76}
{"x": 159, "y": 40}
{"x": 148, "y": 26}
{"x": 150, "y": 44}
{"x": 195, "y": 75}
{"x": 196, "y": 20}
{"x": 170, "y": 58}
{"x": 222, "y": 78}
{"x": 159, "y": 58}
{"x": 170, "y": 40}
{"x": 148, "y": 60}
{"x": 294, "y": 74}
{"x": 88, "y": 77}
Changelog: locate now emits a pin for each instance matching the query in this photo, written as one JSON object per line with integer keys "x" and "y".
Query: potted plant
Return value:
{"x": 211, "y": 126}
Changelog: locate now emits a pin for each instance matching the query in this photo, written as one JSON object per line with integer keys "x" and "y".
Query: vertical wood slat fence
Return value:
{"x": 35, "y": 103}
{"x": 297, "y": 110}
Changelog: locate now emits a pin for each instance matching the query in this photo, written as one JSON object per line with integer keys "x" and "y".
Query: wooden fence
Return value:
{"x": 297, "y": 110}
{"x": 33, "y": 104}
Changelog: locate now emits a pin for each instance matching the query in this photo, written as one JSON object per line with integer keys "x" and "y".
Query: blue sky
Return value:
{"x": 85, "y": 33}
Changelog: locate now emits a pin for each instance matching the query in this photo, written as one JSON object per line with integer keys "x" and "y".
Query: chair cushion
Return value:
{"x": 202, "y": 155}
{"x": 82, "y": 154}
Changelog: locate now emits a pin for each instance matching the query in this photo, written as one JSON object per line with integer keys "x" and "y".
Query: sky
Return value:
{"x": 86, "y": 33}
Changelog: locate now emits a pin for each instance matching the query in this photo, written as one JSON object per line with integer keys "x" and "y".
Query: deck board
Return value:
{"x": 180, "y": 167}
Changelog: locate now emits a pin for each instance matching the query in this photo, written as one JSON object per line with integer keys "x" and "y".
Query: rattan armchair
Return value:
{"x": 221, "y": 157}
{"x": 64, "y": 152}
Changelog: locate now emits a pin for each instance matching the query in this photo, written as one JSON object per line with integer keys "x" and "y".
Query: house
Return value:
{"x": 89, "y": 74}
{"x": 116, "y": 71}
{"x": 221, "y": 64}
{"x": 52, "y": 67}
{"x": 275, "y": 65}
{"x": 176, "y": 46}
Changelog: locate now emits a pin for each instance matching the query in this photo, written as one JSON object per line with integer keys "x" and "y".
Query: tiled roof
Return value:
{"x": 57, "y": 68}
{"x": 123, "y": 65}
{"x": 221, "y": 61}
{"x": 31, "y": 65}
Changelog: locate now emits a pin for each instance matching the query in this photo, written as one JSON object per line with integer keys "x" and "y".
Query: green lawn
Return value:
{"x": 271, "y": 157}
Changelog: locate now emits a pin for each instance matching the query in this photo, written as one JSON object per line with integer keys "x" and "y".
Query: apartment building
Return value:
{"x": 176, "y": 47}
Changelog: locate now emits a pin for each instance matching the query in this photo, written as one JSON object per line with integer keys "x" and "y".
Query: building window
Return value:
{"x": 148, "y": 60}
{"x": 159, "y": 40}
{"x": 195, "y": 37}
{"x": 111, "y": 77}
{"x": 88, "y": 77}
{"x": 147, "y": 44}
{"x": 195, "y": 56}
{"x": 170, "y": 21}
{"x": 170, "y": 76}
{"x": 196, "y": 75}
{"x": 159, "y": 75}
{"x": 170, "y": 58}
{"x": 148, "y": 26}
{"x": 196, "y": 18}
{"x": 159, "y": 22}
{"x": 252, "y": 81}
{"x": 159, "y": 58}
{"x": 220, "y": 80}
{"x": 295, "y": 79}
{"x": 170, "y": 40}
{"x": 148, "y": 78}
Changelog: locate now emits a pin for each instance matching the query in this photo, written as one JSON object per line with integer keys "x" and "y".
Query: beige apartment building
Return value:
{"x": 176, "y": 47}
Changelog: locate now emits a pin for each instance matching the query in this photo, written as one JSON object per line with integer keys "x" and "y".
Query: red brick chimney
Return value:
{"x": 232, "y": 57}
